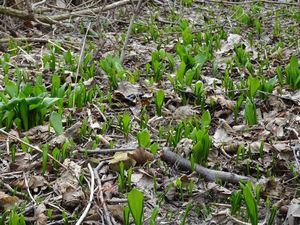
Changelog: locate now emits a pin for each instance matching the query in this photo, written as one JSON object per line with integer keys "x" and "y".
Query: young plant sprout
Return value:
{"x": 159, "y": 101}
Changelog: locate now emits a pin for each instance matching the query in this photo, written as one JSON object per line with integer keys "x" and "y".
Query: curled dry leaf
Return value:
{"x": 141, "y": 156}
{"x": 7, "y": 201}
{"x": 114, "y": 163}
{"x": 232, "y": 147}
{"x": 40, "y": 132}
{"x": 256, "y": 146}
{"x": 127, "y": 92}
{"x": 142, "y": 181}
{"x": 221, "y": 137}
{"x": 222, "y": 101}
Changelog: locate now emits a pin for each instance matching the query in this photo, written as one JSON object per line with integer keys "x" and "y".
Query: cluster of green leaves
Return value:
{"x": 193, "y": 52}
{"x": 124, "y": 182}
{"x": 202, "y": 140}
{"x": 250, "y": 195}
{"x": 24, "y": 104}
{"x": 112, "y": 67}
{"x": 160, "y": 61}
{"x": 249, "y": 18}
{"x": 125, "y": 124}
{"x": 292, "y": 71}
{"x": 13, "y": 219}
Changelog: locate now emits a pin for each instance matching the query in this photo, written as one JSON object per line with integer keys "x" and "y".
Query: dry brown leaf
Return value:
{"x": 7, "y": 201}
{"x": 68, "y": 185}
{"x": 114, "y": 163}
{"x": 141, "y": 156}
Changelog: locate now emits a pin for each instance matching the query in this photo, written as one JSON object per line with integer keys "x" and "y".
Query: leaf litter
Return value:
{"x": 266, "y": 153}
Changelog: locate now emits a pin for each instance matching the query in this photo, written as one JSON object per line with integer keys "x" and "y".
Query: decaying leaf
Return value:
{"x": 40, "y": 214}
{"x": 114, "y": 163}
{"x": 34, "y": 182}
{"x": 7, "y": 201}
{"x": 71, "y": 132}
{"x": 184, "y": 147}
{"x": 68, "y": 185}
{"x": 272, "y": 187}
{"x": 183, "y": 112}
{"x": 141, "y": 156}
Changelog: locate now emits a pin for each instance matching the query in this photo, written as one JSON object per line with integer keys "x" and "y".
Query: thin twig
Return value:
{"x": 135, "y": 12}
{"x": 80, "y": 59}
{"x": 91, "y": 196}
{"x": 10, "y": 189}
{"x": 106, "y": 212}
{"x": 28, "y": 190}
{"x": 31, "y": 146}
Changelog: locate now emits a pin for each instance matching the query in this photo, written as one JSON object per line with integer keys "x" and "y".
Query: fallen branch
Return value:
{"x": 107, "y": 151}
{"x": 208, "y": 174}
{"x": 249, "y": 2}
{"x": 22, "y": 14}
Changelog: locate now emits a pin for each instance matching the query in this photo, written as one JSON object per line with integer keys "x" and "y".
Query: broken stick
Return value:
{"x": 208, "y": 174}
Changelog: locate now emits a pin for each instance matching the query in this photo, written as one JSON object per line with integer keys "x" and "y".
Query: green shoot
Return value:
{"x": 125, "y": 124}
{"x": 250, "y": 112}
{"x": 186, "y": 213}
{"x": 153, "y": 216}
{"x": 121, "y": 178}
{"x": 136, "y": 205}
{"x": 44, "y": 158}
{"x": 236, "y": 201}
{"x": 293, "y": 73}
{"x": 251, "y": 203}
{"x": 159, "y": 101}
{"x": 179, "y": 186}
{"x": 56, "y": 122}
{"x": 237, "y": 107}
{"x": 144, "y": 139}
{"x": 126, "y": 213}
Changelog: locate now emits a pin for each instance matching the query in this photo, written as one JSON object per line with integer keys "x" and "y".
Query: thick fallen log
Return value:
{"x": 208, "y": 174}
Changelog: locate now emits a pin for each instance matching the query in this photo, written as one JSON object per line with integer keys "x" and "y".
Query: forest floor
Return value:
{"x": 192, "y": 117}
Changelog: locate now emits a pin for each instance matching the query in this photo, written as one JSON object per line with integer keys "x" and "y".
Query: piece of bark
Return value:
{"x": 208, "y": 174}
